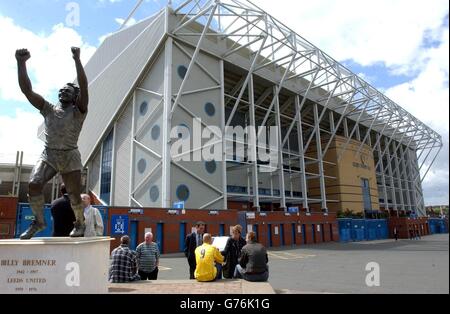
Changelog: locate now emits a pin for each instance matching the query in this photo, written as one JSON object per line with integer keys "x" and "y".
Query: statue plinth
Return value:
{"x": 54, "y": 265}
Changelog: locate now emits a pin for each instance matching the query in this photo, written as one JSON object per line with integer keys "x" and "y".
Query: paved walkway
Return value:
{"x": 192, "y": 287}
{"x": 407, "y": 266}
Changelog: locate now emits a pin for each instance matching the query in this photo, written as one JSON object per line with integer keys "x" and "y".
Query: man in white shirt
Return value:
{"x": 93, "y": 218}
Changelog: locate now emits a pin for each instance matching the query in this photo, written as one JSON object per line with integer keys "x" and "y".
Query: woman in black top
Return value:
{"x": 232, "y": 251}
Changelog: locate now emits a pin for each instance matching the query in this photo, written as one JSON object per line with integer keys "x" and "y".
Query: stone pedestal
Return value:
{"x": 54, "y": 265}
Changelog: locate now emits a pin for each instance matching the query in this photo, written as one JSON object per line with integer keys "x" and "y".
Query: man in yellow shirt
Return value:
{"x": 207, "y": 256}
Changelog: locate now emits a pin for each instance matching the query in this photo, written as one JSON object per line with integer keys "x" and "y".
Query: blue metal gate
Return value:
{"x": 437, "y": 226}
{"x": 182, "y": 237}
{"x": 134, "y": 237}
{"x": 345, "y": 228}
{"x": 222, "y": 230}
{"x": 104, "y": 212}
{"x": 160, "y": 237}
{"x": 294, "y": 234}
{"x": 304, "y": 234}
{"x": 313, "y": 233}
{"x": 269, "y": 235}
{"x": 256, "y": 231}
{"x": 362, "y": 229}
{"x": 242, "y": 220}
{"x": 25, "y": 216}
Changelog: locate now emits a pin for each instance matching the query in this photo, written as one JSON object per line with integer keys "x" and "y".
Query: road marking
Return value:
{"x": 289, "y": 256}
{"x": 299, "y": 255}
{"x": 375, "y": 242}
{"x": 276, "y": 255}
{"x": 164, "y": 268}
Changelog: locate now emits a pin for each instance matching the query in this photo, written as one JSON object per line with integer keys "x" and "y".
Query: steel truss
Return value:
{"x": 404, "y": 148}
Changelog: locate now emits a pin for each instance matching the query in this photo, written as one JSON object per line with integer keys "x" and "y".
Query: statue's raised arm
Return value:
{"x": 22, "y": 56}
{"x": 83, "y": 98}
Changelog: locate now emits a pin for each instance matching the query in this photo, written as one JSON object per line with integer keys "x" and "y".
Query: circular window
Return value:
{"x": 210, "y": 109}
{"x": 142, "y": 165}
{"x": 154, "y": 194}
{"x": 156, "y": 132}
{"x": 182, "y": 70}
{"x": 144, "y": 108}
{"x": 183, "y": 131}
{"x": 211, "y": 166}
{"x": 183, "y": 193}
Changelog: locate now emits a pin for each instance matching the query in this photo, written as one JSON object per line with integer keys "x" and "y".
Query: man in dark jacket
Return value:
{"x": 193, "y": 241}
{"x": 253, "y": 261}
{"x": 232, "y": 251}
{"x": 62, "y": 213}
{"x": 396, "y": 233}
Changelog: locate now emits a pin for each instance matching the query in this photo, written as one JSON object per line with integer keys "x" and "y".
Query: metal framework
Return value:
{"x": 17, "y": 174}
{"x": 311, "y": 96}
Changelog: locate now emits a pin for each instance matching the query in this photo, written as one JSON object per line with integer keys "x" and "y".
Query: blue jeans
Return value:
{"x": 240, "y": 273}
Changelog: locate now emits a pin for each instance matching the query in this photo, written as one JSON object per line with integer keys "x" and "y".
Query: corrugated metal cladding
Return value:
{"x": 109, "y": 89}
{"x": 113, "y": 45}
{"x": 94, "y": 173}
{"x": 122, "y": 157}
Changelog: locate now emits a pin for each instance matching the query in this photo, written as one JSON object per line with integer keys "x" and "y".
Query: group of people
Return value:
{"x": 414, "y": 233}
{"x": 128, "y": 265}
{"x": 244, "y": 259}
{"x": 64, "y": 217}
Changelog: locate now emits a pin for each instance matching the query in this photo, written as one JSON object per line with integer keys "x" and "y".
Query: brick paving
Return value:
{"x": 191, "y": 287}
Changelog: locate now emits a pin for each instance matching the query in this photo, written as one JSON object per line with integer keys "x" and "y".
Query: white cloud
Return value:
{"x": 130, "y": 22}
{"x": 367, "y": 32}
{"x": 390, "y": 33}
{"x": 19, "y": 133}
{"x": 50, "y": 67}
{"x": 51, "y": 64}
{"x": 427, "y": 97}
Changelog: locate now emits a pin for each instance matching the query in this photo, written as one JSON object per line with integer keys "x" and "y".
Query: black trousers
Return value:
{"x": 192, "y": 267}
{"x": 149, "y": 276}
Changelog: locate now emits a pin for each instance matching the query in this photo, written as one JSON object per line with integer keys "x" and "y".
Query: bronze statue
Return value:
{"x": 63, "y": 124}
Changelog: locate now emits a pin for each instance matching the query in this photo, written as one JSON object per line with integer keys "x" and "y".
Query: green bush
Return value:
{"x": 345, "y": 214}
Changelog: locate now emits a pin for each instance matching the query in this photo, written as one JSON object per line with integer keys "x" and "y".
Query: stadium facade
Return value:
{"x": 340, "y": 143}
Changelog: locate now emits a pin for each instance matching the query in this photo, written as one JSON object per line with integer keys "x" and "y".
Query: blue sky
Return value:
{"x": 403, "y": 55}
{"x": 97, "y": 17}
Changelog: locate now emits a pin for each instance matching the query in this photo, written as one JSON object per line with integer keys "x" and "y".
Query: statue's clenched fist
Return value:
{"x": 22, "y": 55}
{"x": 76, "y": 53}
